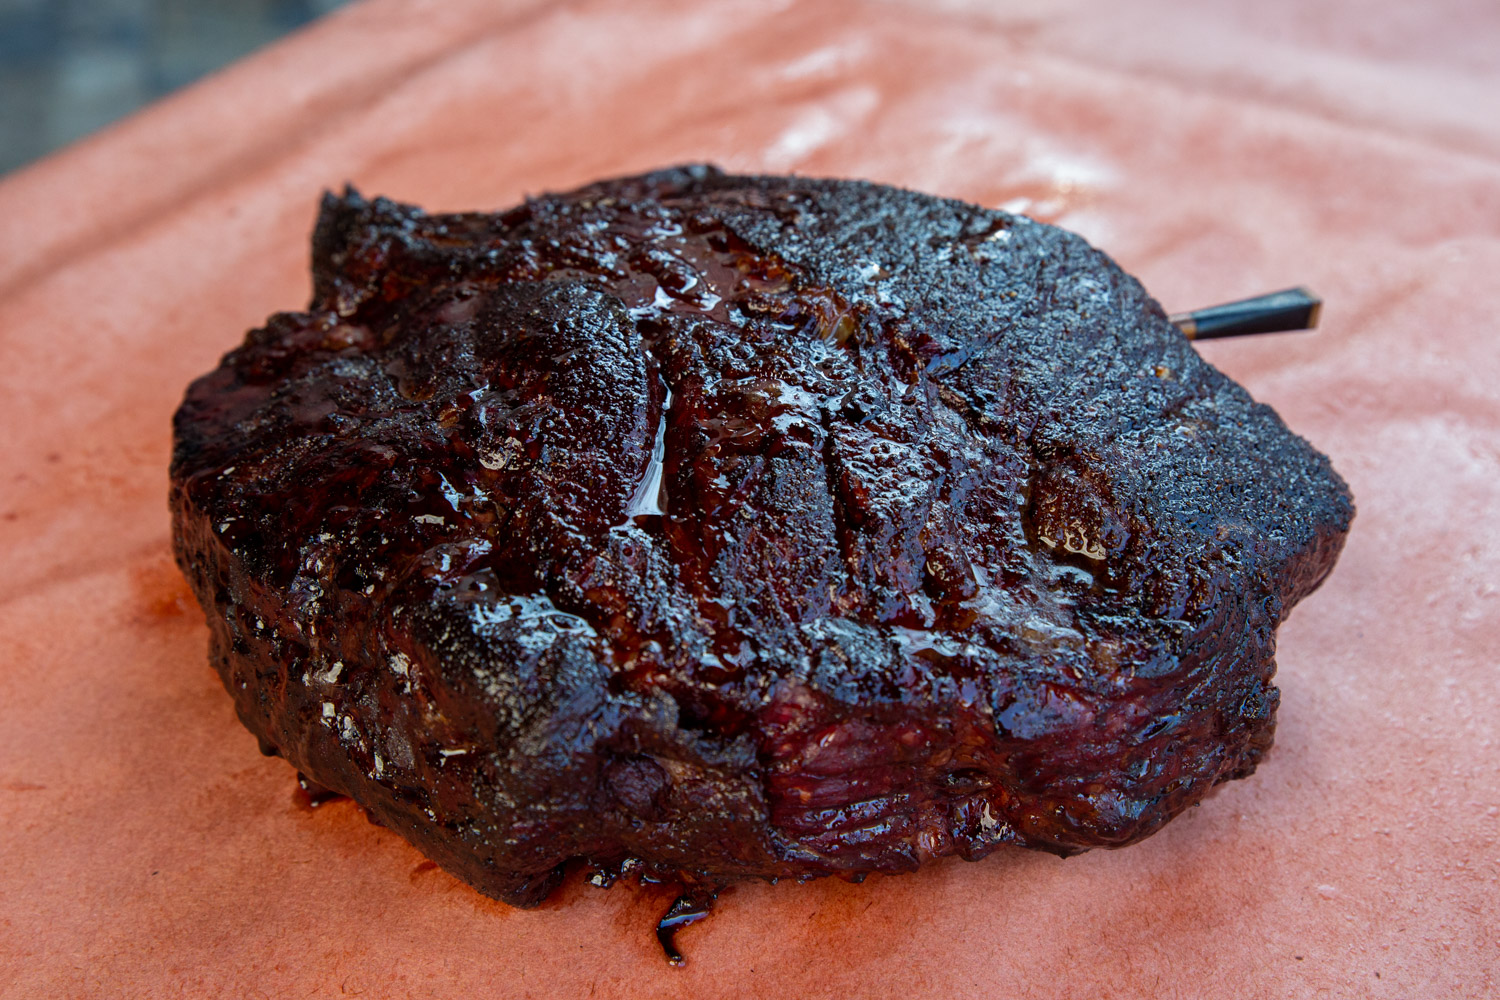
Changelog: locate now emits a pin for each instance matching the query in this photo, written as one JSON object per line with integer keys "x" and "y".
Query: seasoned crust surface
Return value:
{"x": 746, "y": 526}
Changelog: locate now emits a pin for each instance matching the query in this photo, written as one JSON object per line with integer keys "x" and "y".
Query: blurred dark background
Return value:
{"x": 68, "y": 67}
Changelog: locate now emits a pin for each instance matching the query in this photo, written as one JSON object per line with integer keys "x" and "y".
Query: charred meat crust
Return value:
{"x": 745, "y": 526}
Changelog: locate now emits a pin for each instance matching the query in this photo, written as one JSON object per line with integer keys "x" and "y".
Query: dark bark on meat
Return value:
{"x": 749, "y": 527}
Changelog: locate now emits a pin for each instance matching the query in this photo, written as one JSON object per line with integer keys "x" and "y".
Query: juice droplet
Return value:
{"x": 692, "y": 906}
{"x": 310, "y": 794}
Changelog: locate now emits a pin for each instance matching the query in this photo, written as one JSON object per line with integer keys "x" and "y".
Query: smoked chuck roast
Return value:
{"x": 744, "y": 527}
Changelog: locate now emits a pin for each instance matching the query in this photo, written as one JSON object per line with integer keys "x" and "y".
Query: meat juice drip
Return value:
{"x": 689, "y": 908}
{"x": 310, "y": 795}
{"x": 691, "y": 905}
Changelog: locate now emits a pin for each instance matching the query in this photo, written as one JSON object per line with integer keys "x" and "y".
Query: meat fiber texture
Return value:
{"x": 724, "y": 527}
